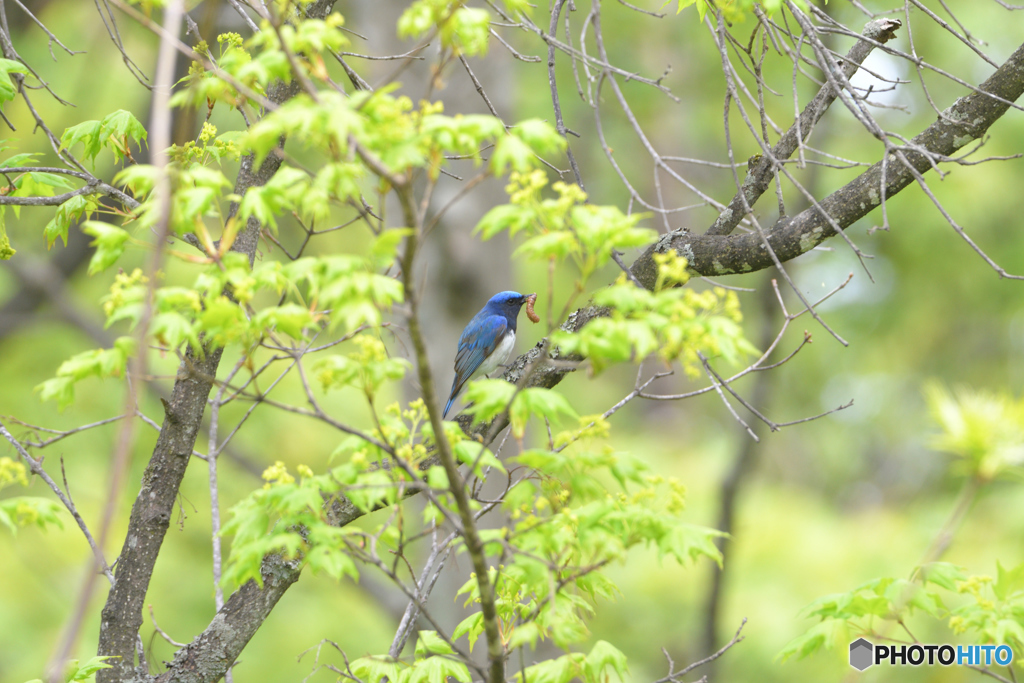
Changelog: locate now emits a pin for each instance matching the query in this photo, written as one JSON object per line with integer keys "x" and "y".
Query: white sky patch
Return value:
{"x": 886, "y": 93}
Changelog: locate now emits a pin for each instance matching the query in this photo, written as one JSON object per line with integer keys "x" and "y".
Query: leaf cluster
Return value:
{"x": 984, "y": 430}
{"x": 21, "y": 511}
{"x": 992, "y": 612}
{"x": 74, "y": 671}
{"x": 116, "y": 132}
{"x": 672, "y": 322}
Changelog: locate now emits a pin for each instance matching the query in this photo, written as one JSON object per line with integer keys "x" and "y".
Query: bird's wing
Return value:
{"x": 478, "y": 341}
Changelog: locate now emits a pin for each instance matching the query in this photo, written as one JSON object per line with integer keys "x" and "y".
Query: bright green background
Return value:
{"x": 828, "y": 505}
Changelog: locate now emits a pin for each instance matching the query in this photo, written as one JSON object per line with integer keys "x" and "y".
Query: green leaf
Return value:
{"x": 540, "y": 402}
{"x": 468, "y": 30}
{"x": 7, "y": 89}
{"x": 416, "y": 20}
{"x": 912, "y": 595}
{"x": 1008, "y": 581}
{"x": 540, "y": 135}
{"x": 177, "y": 299}
{"x": 385, "y": 247}
{"x": 471, "y": 627}
{"x": 21, "y": 511}
{"x": 376, "y": 669}
{"x": 603, "y": 228}
{"x": 59, "y": 389}
{"x": 110, "y": 244}
{"x": 687, "y": 543}
{"x": 984, "y": 429}
{"x": 437, "y": 478}
{"x": 602, "y": 656}
{"x": 523, "y": 6}
{"x": 430, "y": 643}
{"x": 551, "y": 245}
{"x": 1009, "y": 631}
{"x": 333, "y": 562}
{"x": 194, "y": 202}
{"x": 117, "y": 128}
{"x": 511, "y": 217}
{"x": 281, "y": 194}
{"x": 822, "y": 635}
{"x": 469, "y": 452}
{"x": 291, "y": 319}
{"x": 597, "y": 585}
{"x": 526, "y": 633}
{"x": 729, "y": 339}
{"x": 139, "y": 178}
{"x": 97, "y": 362}
{"x": 9, "y": 65}
{"x": 88, "y": 133}
{"x": 510, "y": 151}
{"x": 55, "y": 180}
{"x": 439, "y": 670}
{"x": 172, "y": 329}
{"x": 67, "y": 213}
{"x": 489, "y": 397}
{"x": 942, "y": 574}
{"x": 18, "y": 159}
{"x": 83, "y": 672}
{"x": 224, "y": 321}
{"x": 560, "y": 670}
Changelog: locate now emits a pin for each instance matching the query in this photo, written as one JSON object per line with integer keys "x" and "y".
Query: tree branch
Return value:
{"x": 759, "y": 177}
{"x": 209, "y": 655}
{"x": 151, "y": 513}
{"x": 93, "y": 186}
{"x": 966, "y": 120}
{"x": 456, "y": 483}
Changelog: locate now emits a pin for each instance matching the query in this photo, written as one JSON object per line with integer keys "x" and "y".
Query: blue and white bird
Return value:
{"x": 487, "y": 341}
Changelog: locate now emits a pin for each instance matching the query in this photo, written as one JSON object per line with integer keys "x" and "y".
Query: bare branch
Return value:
{"x": 790, "y": 237}
{"x": 556, "y": 10}
{"x": 759, "y": 177}
{"x": 37, "y": 469}
{"x": 674, "y": 676}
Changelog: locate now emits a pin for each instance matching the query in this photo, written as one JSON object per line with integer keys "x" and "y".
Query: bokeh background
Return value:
{"x": 821, "y": 507}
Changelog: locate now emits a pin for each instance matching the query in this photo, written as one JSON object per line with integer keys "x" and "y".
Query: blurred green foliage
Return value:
{"x": 832, "y": 504}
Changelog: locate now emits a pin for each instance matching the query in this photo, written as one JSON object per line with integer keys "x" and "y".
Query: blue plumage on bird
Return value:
{"x": 488, "y": 339}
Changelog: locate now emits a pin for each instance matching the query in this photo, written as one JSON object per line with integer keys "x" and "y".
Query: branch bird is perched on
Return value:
{"x": 487, "y": 340}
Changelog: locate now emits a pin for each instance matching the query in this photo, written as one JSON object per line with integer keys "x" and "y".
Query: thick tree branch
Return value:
{"x": 759, "y": 177}
{"x": 966, "y": 120}
{"x": 206, "y": 658}
{"x": 160, "y": 137}
{"x": 151, "y": 513}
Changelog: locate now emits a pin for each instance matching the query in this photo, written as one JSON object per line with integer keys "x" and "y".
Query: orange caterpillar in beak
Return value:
{"x": 530, "y": 301}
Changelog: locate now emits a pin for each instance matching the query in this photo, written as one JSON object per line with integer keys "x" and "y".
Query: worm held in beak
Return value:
{"x": 530, "y": 301}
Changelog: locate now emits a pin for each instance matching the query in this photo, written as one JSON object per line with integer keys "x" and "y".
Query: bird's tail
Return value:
{"x": 456, "y": 388}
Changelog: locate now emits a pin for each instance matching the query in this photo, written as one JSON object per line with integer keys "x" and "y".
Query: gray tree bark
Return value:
{"x": 121, "y": 617}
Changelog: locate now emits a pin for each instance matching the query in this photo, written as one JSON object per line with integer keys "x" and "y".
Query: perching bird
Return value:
{"x": 487, "y": 340}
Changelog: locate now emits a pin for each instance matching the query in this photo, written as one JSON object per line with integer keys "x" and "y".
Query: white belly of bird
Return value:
{"x": 499, "y": 355}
